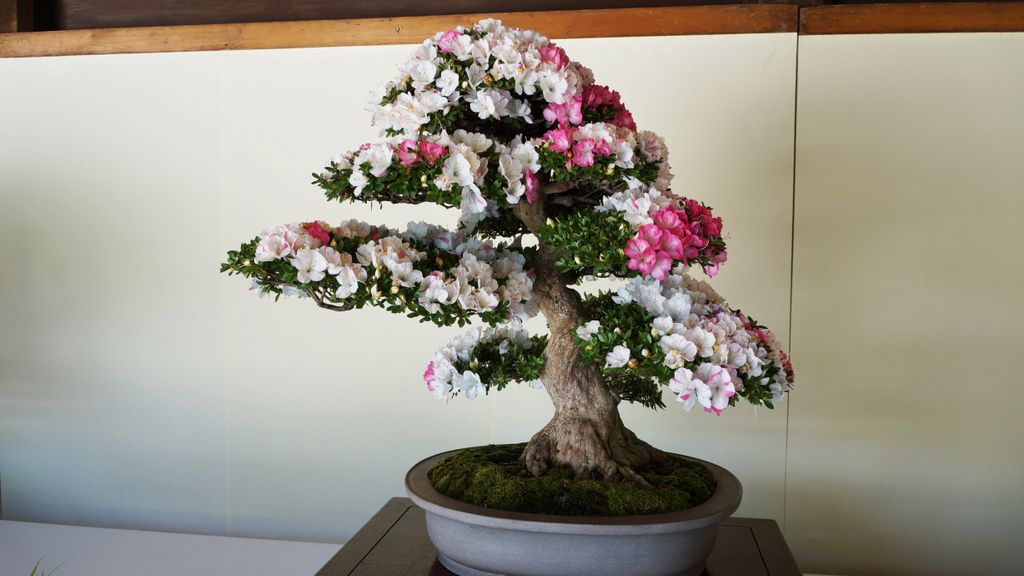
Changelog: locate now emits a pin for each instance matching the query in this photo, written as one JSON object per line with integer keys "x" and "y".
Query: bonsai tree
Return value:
{"x": 501, "y": 124}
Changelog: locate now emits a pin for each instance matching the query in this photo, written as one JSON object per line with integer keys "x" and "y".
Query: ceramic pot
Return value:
{"x": 476, "y": 541}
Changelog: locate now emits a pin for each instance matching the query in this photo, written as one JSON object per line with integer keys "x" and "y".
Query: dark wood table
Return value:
{"x": 394, "y": 543}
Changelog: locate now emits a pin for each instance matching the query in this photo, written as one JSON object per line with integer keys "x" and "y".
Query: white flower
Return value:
{"x": 335, "y": 260}
{"x": 358, "y": 181}
{"x": 470, "y": 384}
{"x": 677, "y": 350}
{"x": 475, "y": 75}
{"x": 536, "y": 384}
{"x": 423, "y": 73}
{"x": 447, "y": 83}
{"x": 553, "y": 85}
{"x": 652, "y": 146}
{"x": 432, "y": 101}
{"x": 678, "y": 306}
{"x": 702, "y": 339}
{"x": 349, "y": 278}
{"x": 589, "y": 329}
{"x": 689, "y": 390}
{"x": 273, "y": 247}
{"x": 662, "y": 324}
{"x": 618, "y": 357}
{"x": 489, "y": 103}
{"x": 379, "y": 156}
{"x": 310, "y": 264}
{"x": 476, "y": 141}
{"x": 404, "y": 274}
{"x": 623, "y": 154}
{"x": 720, "y": 385}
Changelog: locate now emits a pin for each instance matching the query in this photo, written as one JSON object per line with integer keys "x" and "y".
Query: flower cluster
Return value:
{"x": 680, "y": 333}
{"x": 426, "y": 271}
{"x": 464, "y": 169}
{"x": 487, "y": 73}
{"x": 677, "y": 234}
{"x": 582, "y": 145}
{"x": 485, "y": 358}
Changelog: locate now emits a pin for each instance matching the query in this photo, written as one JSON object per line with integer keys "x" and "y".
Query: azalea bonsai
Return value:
{"x": 500, "y": 123}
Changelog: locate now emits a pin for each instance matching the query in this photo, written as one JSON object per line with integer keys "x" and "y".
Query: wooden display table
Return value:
{"x": 394, "y": 543}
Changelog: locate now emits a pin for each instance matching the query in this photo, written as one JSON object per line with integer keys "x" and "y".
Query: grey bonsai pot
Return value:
{"x": 475, "y": 541}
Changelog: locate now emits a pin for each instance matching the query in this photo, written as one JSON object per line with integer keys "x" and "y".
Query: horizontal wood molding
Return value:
{"x": 913, "y": 18}
{"x": 78, "y": 14}
{"x": 674, "y": 21}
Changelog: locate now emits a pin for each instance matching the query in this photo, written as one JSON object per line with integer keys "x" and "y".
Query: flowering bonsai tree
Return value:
{"x": 501, "y": 124}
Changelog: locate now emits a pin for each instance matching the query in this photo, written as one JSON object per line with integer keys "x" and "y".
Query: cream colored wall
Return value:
{"x": 905, "y": 433}
{"x": 139, "y": 388}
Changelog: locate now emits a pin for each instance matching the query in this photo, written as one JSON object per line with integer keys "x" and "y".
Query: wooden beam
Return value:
{"x": 673, "y": 21}
{"x": 913, "y": 18}
{"x": 8, "y": 16}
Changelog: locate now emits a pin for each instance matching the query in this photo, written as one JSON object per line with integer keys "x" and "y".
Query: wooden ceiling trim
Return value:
{"x": 670, "y": 21}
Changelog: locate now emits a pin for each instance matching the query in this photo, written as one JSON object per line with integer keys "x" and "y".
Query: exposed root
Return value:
{"x": 590, "y": 449}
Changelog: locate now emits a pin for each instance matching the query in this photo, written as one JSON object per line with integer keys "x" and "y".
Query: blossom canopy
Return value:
{"x": 502, "y": 125}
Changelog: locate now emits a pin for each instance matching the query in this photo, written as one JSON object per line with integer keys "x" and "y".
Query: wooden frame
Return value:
{"x": 15, "y": 17}
{"x": 913, "y": 18}
{"x": 674, "y": 21}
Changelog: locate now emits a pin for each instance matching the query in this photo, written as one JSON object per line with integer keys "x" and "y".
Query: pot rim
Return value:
{"x": 724, "y": 501}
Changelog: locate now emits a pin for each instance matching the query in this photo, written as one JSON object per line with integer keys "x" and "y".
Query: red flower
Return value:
{"x": 317, "y": 230}
{"x": 431, "y": 152}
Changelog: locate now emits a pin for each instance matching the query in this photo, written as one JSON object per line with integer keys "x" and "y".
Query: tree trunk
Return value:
{"x": 586, "y": 432}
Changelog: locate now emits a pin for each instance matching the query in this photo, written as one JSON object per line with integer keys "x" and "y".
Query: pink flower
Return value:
{"x": 431, "y": 152}
{"x": 713, "y": 226}
{"x": 316, "y": 230}
{"x": 583, "y": 153}
{"x": 530, "y": 179}
{"x": 448, "y": 40}
{"x": 662, "y": 265}
{"x": 717, "y": 257}
{"x": 406, "y": 152}
{"x": 602, "y": 148}
{"x": 667, "y": 219}
{"x": 568, "y": 113}
{"x": 624, "y": 119}
{"x": 560, "y": 139}
{"x": 641, "y": 255}
{"x": 671, "y": 245}
{"x": 691, "y": 246}
{"x": 596, "y": 95}
{"x": 554, "y": 55}
{"x": 710, "y": 226}
{"x": 651, "y": 234}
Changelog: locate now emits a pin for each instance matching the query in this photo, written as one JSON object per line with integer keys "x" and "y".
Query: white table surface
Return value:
{"x": 87, "y": 551}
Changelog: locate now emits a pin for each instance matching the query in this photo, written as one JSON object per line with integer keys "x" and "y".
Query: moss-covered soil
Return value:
{"x": 491, "y": 476}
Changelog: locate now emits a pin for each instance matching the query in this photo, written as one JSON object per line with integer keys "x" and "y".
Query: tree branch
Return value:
{"x": 319, "y": 299}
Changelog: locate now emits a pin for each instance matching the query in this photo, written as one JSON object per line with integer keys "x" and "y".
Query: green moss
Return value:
{"x": 491, "y": 477}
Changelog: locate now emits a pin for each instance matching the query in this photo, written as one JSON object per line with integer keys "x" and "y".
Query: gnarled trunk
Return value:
{"x": 586, "y": 432}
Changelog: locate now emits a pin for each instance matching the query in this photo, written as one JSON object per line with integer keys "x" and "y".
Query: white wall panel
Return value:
{"x": 283, "y": 420}
{"x": 905, "y": 433}
{"x": 111, "y": 406}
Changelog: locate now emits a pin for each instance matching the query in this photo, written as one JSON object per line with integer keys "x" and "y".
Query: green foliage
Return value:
{"x": 500, "y": 362}
{"x": 589, "y": 242}
{"x": 604, "y": 175}
{"x": 492, "y": 477}
{"x": 640, "y": 380}
{"x": 37, "y": 571}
